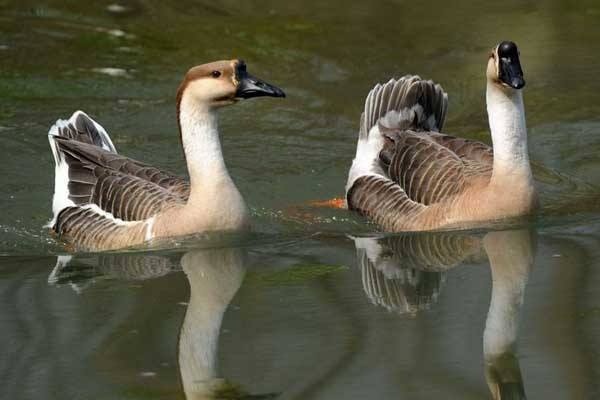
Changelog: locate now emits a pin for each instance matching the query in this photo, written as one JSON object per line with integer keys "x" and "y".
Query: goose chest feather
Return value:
{"x": 103, "y": 200}
{"x": 406, "y": 175}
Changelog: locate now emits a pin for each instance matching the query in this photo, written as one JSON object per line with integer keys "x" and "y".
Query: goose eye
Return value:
{"x": 216, "y": 74}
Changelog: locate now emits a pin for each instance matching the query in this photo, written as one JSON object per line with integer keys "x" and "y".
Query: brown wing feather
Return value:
{"x": 94, "y": 155}
{"x": 383, "y": 201}
{"x": 428, "y": 172}
{"x": 92, "y": 231}
{"x": 478, "y": 157}
{"x": 424, "y": 168}
{"x": 125, "y": 188}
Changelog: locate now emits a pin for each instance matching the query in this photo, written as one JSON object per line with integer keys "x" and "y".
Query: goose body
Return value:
{"x": 408, "y": 176}
{"x": 103, "y": 200}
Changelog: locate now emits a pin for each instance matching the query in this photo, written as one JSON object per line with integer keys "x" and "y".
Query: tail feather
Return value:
{"x": 405, "y": 103}
{"x": 80, "y": 127}
{"x": 408, "y": 103}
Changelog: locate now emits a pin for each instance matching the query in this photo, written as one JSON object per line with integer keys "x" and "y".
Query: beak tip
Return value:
{"x": 518, "y": 83}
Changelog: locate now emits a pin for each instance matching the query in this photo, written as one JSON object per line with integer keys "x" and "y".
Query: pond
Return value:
{"x": 315, "y": 303}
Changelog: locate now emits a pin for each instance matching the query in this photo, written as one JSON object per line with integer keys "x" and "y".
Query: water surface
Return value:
{"x": 315, "y": 304}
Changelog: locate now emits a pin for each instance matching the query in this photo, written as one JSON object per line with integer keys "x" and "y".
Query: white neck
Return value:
{"x": 201, "y": 144}
{"x": 506, "y": 115}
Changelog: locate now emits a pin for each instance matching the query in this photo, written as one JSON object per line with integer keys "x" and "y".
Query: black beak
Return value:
{"x": 509, "y": 66}
{"x": 511, "y": 73}
{"x": 250, "y": 86}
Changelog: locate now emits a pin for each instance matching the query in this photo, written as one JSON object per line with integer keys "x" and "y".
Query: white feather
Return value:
{"x": 394, "y": 118}
{"x": 371, "y": 247}
{"x": 61, "y": 262}
{"x": 366, "y": 161}
{"x": 367, "y": 153}
{"x": 149, "y": 226}
{"x": 60, "y": 200}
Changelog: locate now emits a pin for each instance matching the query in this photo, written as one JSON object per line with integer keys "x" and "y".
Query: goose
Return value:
{"x": 104, "y": 201}
{"x": 407, "y": 176}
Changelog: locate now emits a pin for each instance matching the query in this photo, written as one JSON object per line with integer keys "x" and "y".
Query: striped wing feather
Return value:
{"x": 405, "y": 103}
{"x": 127, "y": 189}
{"x": 423, "y": 168}
{"x": 478, "y": 157}
{"x": 80, "y": 127}
{"x": 93, "y": 155}
{"x": 428, "y": 172}
{"x": 384, "y": 201}
{"x": 92, "y": 231}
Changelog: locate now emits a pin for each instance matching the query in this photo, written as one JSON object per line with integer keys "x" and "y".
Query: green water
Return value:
{"x": 314, "y": 304}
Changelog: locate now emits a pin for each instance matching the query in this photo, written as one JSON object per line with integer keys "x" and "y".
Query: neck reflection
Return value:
{"x": 214, "y": 277}
{"x": 406, "y": 273}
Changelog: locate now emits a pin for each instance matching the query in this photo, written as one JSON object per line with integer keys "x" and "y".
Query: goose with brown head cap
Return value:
{"x": 103, "y": 200}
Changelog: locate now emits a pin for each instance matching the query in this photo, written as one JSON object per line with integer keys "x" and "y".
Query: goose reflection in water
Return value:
{"x": 214, "y": 277}
{"x": 405, "y": 274}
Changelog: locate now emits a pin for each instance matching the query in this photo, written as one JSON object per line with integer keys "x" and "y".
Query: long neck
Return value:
{"x": 201, "y": 145}
{"x": 506, "y": 115}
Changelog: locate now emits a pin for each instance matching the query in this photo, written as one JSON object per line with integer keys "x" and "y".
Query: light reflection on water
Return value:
{"x": 313, "y": 304}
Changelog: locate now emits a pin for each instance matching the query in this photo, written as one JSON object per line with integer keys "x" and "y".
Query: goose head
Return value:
{"x": 504, "y": 67}
{"x": 221, "y": 83}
